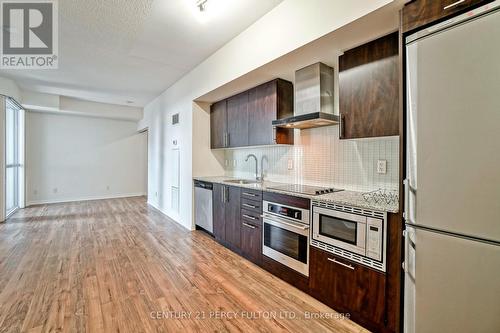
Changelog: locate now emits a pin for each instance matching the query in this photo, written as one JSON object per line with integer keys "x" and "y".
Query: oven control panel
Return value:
{"x": 293, "y": 213}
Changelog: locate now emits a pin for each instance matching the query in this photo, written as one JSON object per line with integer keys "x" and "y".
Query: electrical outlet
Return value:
{"x": 290, "y": 164}
{"x": 382, "y": 166}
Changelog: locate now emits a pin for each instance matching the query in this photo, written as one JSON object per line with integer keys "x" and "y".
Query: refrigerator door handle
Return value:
{"x": 409, "y": 265}
{"x": 406, "y": 193}
{"x": 407, "y": 189}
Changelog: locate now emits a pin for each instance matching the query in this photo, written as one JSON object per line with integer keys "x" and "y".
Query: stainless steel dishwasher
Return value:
{"x": 203, "y": 206}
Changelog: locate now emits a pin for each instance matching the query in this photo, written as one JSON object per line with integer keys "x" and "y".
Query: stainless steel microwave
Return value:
{"x": 359, "y": 234}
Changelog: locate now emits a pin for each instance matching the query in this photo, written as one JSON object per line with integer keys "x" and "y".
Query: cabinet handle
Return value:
{"x": 249, "y": 194}
{"x": 453, "y": 4}
{"x": 249, "y": 225}
{"x": 274, "y": 134}
{"x": 225, "y": 140}
{"x": 223, "y": 194}
{"x": 228, "y": 140}
{"x": 341, "y": 263}
{"x": 249, "y": 206}
{"x": 249, "y": 217}
{"x": 341, "y": 126}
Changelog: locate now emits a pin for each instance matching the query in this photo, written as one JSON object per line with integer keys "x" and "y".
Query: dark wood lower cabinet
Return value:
{"x": 348, "y": 287}
{"x": 232, "y": 215}
{"x": 219, "y": 212}
{"x": 251, "y": 241}
{"x": 226, "y": 215}
{"x": 286, "y": 274}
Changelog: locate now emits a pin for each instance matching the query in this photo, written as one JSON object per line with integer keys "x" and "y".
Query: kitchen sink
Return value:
{"x": 242, "y": 181}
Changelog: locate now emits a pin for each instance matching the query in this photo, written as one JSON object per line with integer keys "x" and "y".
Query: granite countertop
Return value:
{"x": 348, "y": 198}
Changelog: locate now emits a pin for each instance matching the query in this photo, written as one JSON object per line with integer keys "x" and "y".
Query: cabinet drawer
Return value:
{"x": 251, "y": 205}
{"x": 251, "y": 194}
{"x": 251, "y": 217}
{"x": 348, "y": 286}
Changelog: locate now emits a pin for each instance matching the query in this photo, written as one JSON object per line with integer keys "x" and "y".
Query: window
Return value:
{"x": 13, "y": 122}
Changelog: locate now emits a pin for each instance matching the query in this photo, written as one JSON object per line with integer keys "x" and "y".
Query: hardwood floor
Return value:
{"x": 121, "y": 266}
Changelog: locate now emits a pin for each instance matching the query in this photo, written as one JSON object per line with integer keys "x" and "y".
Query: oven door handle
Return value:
{"x": 290, "y": 224}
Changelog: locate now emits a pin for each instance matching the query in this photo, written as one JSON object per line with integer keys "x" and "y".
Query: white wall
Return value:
{"x": 76, "y": 158}
{"x": 289, "y": 26}
{"x": 9, "y": 88}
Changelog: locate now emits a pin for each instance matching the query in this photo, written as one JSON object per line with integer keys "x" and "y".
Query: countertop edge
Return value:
{"x": 320, "y": 198}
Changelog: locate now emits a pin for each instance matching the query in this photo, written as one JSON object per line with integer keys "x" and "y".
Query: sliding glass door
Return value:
{"x": 12, "y": 156}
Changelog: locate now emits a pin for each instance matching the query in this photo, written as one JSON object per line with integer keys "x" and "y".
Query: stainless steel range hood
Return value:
{"x": 313, "y": 99}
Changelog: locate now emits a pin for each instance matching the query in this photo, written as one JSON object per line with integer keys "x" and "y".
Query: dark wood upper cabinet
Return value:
{"x": 369, "y": 89}
{"x": 247, "y": 117}
{"x": 267, "y": 102}
{"x": 237, "y": 120}
{"x": 420, "y": 13}
{"x": 218, "y": 124}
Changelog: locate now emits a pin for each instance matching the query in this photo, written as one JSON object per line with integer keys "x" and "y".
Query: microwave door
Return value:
{"x": 346, "y": 231}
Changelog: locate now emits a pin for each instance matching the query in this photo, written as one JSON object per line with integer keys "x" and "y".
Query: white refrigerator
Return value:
{"x": 452, "y": 186}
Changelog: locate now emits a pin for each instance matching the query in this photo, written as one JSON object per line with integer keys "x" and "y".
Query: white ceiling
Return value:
{"x": 116, "y": 51}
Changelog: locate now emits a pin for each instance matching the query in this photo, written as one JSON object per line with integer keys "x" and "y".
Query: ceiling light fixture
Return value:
{"x": 201, "y": 4}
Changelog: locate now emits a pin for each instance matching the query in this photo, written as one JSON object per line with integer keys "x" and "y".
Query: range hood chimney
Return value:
{"x": 313, "y": 99}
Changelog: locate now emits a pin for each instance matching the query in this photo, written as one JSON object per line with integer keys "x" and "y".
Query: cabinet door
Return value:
{"x": 347, "y": 286}
{"x": 219, "y": 212}
{"x": 251, "y": 236}
{"x": 232, "y": 217}
{"x": 369, "y": 89}
{"x": 423, "y": 12}
{"x": 237, "y": 120}
{"x": 218, "y": 124}
{"x": 262, "y": 110}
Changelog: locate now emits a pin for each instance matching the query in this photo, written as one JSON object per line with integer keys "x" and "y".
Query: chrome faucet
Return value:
{"x": 264, "y": 157}
{"x": 256, "y": 165}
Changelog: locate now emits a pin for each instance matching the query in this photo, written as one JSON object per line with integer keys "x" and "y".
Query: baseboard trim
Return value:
{"x": 104, "y": 197}
{"x": 175, "y": 219}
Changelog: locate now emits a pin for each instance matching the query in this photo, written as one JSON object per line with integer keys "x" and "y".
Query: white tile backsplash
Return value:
{"x": 320, "y": 158}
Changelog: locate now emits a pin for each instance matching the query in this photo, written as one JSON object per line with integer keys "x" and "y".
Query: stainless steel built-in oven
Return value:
{"x": 286, "y": 235}
{"x": 358, "y": 236}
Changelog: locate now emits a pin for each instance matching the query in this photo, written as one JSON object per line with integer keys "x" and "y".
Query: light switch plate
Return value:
{"x": 382, "y": 166}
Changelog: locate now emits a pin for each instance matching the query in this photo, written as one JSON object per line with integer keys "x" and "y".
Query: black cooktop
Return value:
{"x": 304, "y": 189}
